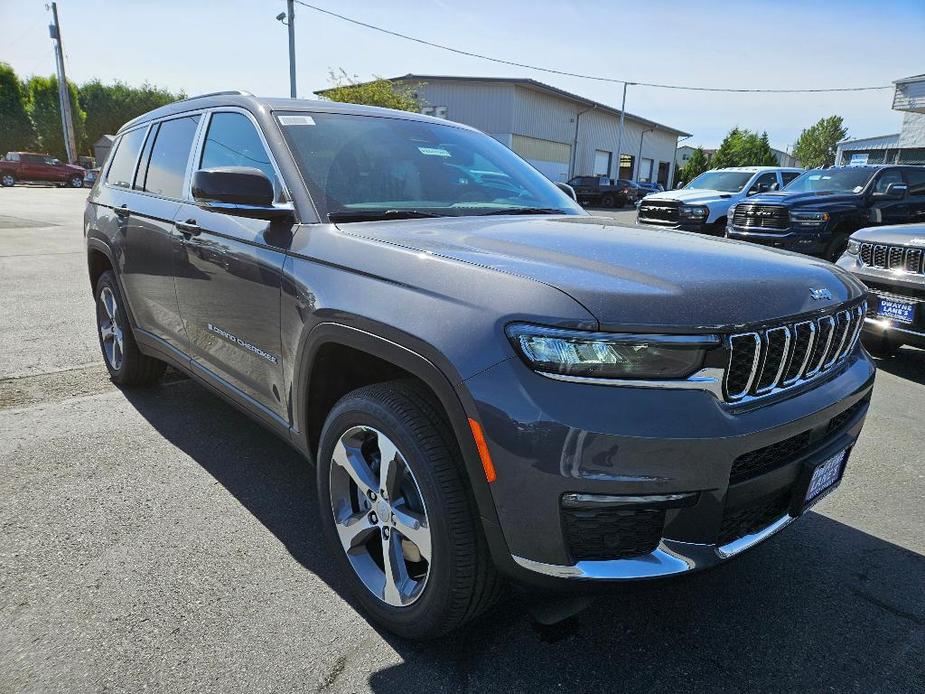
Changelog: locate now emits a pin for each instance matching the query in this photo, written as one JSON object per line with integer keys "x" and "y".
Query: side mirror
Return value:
{"x": 894, "y": 191}
{"x": 759, "y": 188}
{"x": 567, "y": 189}
{"x": 679, "y": 185}
{"x": 237, "y": 190}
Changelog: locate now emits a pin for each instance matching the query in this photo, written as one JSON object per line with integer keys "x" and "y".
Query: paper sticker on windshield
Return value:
{"x": 434, "y": 152}
{"x": 858, "y": 189}
{"x": 296, "y": 120}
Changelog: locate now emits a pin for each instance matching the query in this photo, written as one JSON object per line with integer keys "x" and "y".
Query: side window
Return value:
{"x": 122, "y": 168}
{"x": 33, "y": 159}
{"x": 232, "y": 140}
{"x": 766, "y": 179}
{"x": 915, "y": 178}
{"x": 789, "y": 176}
{"x": 886, "y": 178}
{"x": 169, "y": 156}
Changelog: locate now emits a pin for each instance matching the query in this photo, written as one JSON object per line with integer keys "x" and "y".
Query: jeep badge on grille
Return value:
{"x": 818, "y": 294}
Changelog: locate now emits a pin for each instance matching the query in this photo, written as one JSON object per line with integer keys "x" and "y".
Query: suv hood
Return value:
{"x": 631, "y": 278}
{"x": 692, "y": 197}
{"x": 813, "y": 200}
{"x": 912, "y": 235}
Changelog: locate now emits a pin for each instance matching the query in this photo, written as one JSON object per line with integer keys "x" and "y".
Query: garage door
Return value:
{"x": 550, "y": 158}
{"x": 601, "y": 162}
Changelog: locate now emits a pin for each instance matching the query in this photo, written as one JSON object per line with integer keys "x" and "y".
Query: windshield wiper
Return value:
{"x": 374, "y": 215}
{"x": 523, "y": 210}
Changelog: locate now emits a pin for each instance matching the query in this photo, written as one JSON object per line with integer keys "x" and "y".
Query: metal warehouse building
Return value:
{"x": 560, "y": 133}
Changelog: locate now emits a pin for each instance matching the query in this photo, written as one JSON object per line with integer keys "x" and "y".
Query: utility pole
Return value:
{"x": 290, "y": 11}
{"x": 64, "y": 95}
{"x": 620, "y": 138}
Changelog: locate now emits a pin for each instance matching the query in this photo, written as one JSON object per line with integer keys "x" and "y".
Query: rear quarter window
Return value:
{"x": 122, "y": 170}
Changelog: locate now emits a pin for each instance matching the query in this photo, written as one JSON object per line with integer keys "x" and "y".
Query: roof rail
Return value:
{"x": 229, "y": 92}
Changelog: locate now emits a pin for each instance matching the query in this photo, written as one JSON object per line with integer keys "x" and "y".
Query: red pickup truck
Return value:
{"x": 28, "y": 166}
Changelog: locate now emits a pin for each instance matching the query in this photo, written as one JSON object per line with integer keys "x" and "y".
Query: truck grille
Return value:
{"x": 659, "y": 212}
{"x": 761, "y": 362}
{"x": 893, "y": 257}
{"x": 752, "y": 216}
{"x": 612, "y": 533}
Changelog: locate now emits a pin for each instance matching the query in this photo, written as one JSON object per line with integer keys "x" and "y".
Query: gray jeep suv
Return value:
{"x": 492, "y": 383}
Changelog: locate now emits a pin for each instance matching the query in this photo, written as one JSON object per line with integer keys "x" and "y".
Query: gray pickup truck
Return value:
{"x": 493, "y": 384}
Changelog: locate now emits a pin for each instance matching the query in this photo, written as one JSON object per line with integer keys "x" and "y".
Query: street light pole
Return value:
{"x": 620, "y": 137}
{"x": 290, "y": 11}
{"x": 64, "y": 94}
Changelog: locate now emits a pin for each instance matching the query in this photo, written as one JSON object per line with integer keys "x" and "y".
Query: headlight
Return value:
{"x": 609, "y": 355}
{"x": 854, "y": 247}
{"x": 695, "y": 211}
{"x": 808, "y": 217}
{"x": 731, "y": 211}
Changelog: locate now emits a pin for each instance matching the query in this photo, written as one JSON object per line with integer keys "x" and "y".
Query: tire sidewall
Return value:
{"x": 608, "y": 201}
{"x": 107, "y": 279}
{"x": 423, "y": 615}
{"x": 7, "y": 181}
{"x": 76, "y": 182}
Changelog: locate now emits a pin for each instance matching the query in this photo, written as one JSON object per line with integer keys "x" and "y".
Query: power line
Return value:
{"x": 596, "y": 78}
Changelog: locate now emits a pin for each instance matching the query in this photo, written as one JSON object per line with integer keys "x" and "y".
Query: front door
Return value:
{"x": 915, "y": 179}
{"x": 228, "y": 282}
{"x": 890, "y": 211}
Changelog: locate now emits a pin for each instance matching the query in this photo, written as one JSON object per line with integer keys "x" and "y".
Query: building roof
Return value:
{"x": 528, "y": 83}
{"x": 914, "y": 78}
{"x": 878, "y": 142}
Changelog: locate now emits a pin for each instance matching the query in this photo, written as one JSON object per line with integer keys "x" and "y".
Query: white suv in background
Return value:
{"x": 702, "y": 204}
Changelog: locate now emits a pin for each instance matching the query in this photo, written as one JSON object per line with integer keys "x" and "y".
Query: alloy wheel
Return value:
{"x": 380, "y": 516}
{"x": 8, "y": 180}
{"x": 77, "y": 182}
{"x": 110, "y": 331}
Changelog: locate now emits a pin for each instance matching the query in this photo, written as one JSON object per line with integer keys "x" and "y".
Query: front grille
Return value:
{"x": 659, "y": 211}
{"x": 742, "y": 520}
{"x": 765, "y": 459}
{"x": 763, "y": 361}
{"x": 775, "y": 217}
{"x": 612, "y": 533}
{"x": 887, "y": 257}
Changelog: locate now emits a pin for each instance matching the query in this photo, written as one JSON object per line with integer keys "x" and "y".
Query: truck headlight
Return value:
{"x": 854, "y": 247}
{"x": 695, "y": 211}
{"x": 808, "y": 217}
{"x": 609, "y": 355}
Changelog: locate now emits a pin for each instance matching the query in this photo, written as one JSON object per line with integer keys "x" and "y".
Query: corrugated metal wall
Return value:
{"x": 910, "y": 96}
{"x": 486, "y": 106}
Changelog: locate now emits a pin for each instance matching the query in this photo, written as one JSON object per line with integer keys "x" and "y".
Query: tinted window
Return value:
{"x": 789, "y": 176}
{"x": 232, "y": 140}
{"x": 916, "y": 180}
{"x": 33, "y": 159}
{"x": 886, "y": 178}
{"x": 840, "y": 180}
{"x": 169, "y": 156}
{"x": 123, "y": 161}
{"x": 724, "y": 181}
{"x": 766, "y": 179}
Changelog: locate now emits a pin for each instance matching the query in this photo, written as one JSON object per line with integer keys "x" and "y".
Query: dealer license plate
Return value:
{"x": 824, "y": 476}
{"x": 900, "y": 311}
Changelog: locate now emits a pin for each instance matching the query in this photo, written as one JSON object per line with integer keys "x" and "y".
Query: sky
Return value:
{"x": 204, "y": 45}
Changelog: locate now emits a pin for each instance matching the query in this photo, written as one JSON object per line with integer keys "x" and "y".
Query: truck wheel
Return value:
{"x": 397, "y": 515}
{"x": 607, "y": 200}
{"x": 7, "y": 180}
{"x": 126, "y": 364}
{"x": 76, "y": 182}
{"x": 836, "y": 247}
{"x": 880, "y": 346}
{"x": 718, "y": 228}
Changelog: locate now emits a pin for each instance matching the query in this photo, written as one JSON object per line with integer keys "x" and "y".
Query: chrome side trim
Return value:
{"x": 746, "y": 541}
{"x": 576, "y": 500}
{"x": 709, "y": 379}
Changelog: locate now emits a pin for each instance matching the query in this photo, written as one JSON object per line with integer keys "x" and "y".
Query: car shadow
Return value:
{"x": 823, "y": 606}
{"x": 909, "y": 363}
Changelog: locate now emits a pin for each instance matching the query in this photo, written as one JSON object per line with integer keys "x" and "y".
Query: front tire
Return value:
{"x": 126, "y": 364}
{"x": 836, "y": 247}
{"x": 608, "y": 201}
{"x": 396, "y": 513}
{"x": 76, "y": 182}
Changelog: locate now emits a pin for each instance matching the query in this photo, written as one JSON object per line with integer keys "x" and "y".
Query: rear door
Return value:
{"x": 229, "y": 278}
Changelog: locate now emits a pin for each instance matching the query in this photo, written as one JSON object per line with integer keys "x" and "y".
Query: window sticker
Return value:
{"x": 434, "y": 152}
{"x": 296, "y": 120}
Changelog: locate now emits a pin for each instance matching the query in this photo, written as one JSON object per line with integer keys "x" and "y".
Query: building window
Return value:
{"x": 435, "y": 111}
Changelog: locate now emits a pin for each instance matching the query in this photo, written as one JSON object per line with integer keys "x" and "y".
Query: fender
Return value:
{"x": 455, "y": 401}
{"x": 96, "y": 244}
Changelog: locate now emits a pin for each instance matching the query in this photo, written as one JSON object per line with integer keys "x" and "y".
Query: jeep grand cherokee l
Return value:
{"x": 818, "y": 211}
{"x": 890, "y": 260}
{"x": 491, "y": 382}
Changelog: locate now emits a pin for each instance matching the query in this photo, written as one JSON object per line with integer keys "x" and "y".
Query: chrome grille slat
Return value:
{"x": 781, "y": 356}
{"x": 888, "y": 257}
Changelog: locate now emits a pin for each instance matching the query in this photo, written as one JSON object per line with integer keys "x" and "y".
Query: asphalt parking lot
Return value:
{"x": 159, "y": 539}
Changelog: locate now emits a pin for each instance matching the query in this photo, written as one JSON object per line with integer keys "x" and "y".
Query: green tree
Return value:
{"x": 378, "y": 92}
{"x": 110, "y": 106}
{"x": 744, "y": 148}
{"x": 16, "y": 131}
{"x": 815, "y": 147}
{"x": 45, "y": 112}
{"x": 693, "y": 167}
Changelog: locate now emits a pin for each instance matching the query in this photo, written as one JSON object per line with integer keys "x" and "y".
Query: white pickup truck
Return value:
{"x": 702, "y": 204}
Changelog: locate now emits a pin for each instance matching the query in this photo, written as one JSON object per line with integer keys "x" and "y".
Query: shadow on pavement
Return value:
{"x": 909, "y": 363}
{"x": 821, "y": 607}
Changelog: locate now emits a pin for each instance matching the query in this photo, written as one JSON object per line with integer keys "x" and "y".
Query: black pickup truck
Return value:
{"x": 817, "y": 212}
{"x": 603, "y": 191}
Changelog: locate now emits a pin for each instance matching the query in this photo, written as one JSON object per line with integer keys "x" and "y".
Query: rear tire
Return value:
{"x": 126, "y": 364}
{"x": 459, "y": 580}
{"x": 880, "y": 346}
{"x": 7, "y": 180}
{"x": 76, "y": 182}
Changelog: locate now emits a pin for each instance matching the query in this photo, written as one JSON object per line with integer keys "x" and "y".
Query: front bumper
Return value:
{"x": 549, "y": 439}
{"x": 810, "y": 242}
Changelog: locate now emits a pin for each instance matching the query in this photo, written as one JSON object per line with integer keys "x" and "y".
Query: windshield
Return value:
{"x": 361, "y": 167}
{"x": 831, "y": 181}
{"x": 725, "y": 181}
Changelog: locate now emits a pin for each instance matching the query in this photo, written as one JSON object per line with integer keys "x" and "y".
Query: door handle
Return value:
{"x": 122, "y": 211}
{"x": 188, "y": 228}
